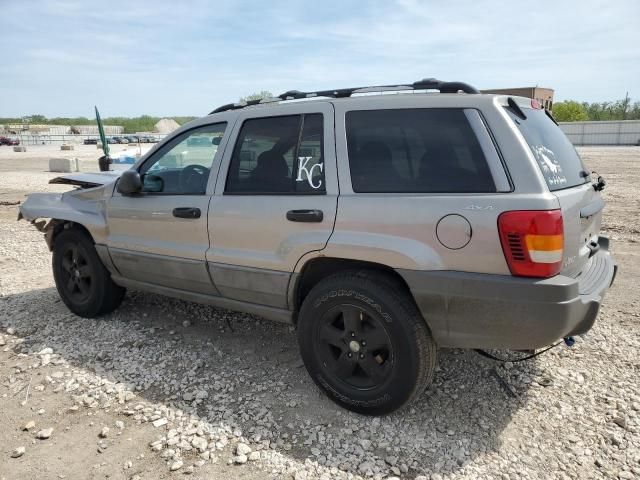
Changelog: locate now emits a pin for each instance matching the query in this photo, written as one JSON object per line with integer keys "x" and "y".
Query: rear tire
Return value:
{"x": 364, "y": 342}
{"x": 83, "y": 283}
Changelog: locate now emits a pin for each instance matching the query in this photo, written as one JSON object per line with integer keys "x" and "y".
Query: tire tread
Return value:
{"x": 384, "y": 285}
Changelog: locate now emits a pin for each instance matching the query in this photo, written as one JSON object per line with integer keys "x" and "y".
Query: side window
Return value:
{"x": 415, "y": 151}
{"x": 183, "y": 166}
{"x": 310, "y": 158}
{"x": 278, "y": 155}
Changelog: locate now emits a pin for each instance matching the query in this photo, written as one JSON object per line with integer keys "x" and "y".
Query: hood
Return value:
{"x": 87, "y": 180}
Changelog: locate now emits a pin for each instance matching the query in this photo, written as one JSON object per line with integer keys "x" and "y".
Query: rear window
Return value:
{"x": 415, "y": 151}
{"x": 557, "y": 158}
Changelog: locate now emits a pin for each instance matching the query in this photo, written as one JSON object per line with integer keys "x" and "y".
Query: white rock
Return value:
{"x": 160, "y": 422}
{"x": 240, "y": 459}
{"x": 176, "y": 465}
{"x": 104, "y": 433}
{"x": 44, "y": 434}
{"x": 18, "y": 452}
{"x": 243, "y": 449}
{"x": 11, "y": 331}
{"x": 29, "y": 425}
{"x": 253, "y": 456}
{"x": 200, "y": 443}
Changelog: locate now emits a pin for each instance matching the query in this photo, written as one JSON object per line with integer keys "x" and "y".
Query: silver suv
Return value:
{"x": 381, "y": 225}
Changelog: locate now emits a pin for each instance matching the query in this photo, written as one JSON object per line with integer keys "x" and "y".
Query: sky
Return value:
{"x": 61, "y": 57}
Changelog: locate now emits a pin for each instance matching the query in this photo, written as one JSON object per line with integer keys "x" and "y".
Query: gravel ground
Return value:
{"x": 162, "y": 388}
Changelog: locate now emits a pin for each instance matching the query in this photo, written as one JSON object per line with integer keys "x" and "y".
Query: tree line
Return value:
{"x": 567, "y": 111}
{"x": 143, "y": 123}
{"x": 572, "y": 111}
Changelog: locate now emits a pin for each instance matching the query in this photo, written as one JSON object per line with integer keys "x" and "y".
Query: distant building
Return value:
{"x": 542, "y": 95}
{"x": 34, "y": 129}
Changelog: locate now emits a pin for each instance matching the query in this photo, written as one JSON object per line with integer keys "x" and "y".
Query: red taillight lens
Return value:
{"x": 532, "y": 242}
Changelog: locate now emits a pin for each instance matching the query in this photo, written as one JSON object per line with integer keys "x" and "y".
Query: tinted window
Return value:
{"x": 183, "y": 166}
{"x": 278, "y": 155}
{"x": 415, "y": 150}
{"x": 556, "y": 156}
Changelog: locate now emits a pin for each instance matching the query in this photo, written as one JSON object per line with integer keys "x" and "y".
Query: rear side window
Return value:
{"x": 556, "y": 156}
{"x": 278, "y": 155}
{"x": 415, "y": 151}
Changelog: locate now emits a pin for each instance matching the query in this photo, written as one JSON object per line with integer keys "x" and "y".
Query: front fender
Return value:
{"x": 86, "y": 207}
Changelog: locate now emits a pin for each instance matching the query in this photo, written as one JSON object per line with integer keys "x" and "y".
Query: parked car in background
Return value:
{"x": 9, "y": 141}
{"x": 118, "y": 139}
{"x": 382, "y": 226}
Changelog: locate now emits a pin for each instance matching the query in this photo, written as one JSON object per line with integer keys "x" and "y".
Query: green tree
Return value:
{"x": 257, "y": 96}
{"x": 570, "y": 111}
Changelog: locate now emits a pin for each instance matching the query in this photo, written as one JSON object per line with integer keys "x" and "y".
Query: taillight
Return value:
{"x": 532, "y": 241}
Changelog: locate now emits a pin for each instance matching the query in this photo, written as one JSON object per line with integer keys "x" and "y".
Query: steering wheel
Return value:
{"x": 193, "y": 178}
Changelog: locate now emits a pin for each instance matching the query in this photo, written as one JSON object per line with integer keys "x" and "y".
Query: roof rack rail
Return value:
{"x": 424, "y": 84}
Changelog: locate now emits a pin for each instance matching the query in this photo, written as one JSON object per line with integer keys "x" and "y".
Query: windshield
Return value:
{"x": 557, "y": 158}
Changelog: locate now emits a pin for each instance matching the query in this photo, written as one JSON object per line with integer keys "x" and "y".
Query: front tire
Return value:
{"x": 364, "y": 342}
{"x": 84, "y": 284}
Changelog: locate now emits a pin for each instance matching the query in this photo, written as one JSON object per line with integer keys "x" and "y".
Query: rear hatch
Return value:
{"x": 567, "y": 178}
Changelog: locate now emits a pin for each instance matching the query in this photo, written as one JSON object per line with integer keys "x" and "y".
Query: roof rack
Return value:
{"x": 424, "y": 84}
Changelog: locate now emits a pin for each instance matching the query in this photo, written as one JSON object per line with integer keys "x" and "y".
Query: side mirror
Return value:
{"x": 216, "y": 140}
{"x": 129, "y": 182}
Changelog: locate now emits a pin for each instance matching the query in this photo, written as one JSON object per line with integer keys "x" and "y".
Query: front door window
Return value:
{"x": 183, "y": 166}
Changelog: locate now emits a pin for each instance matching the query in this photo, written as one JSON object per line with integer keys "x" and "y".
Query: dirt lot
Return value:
{"x": 215, "y": 394}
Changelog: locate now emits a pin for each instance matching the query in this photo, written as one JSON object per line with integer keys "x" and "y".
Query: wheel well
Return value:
{"x": 55, "y": 226}
{"x": 318, "y": 268}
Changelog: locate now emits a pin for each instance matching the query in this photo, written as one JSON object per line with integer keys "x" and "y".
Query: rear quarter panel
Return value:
{"x": 399, "y": 230}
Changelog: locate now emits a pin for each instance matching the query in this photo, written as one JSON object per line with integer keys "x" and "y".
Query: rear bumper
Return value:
{"x": 471, "y": 310}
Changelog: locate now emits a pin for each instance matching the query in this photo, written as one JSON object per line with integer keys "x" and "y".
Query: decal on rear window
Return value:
{"x": 557, "y": 158}
{"x": 550, "y": 167}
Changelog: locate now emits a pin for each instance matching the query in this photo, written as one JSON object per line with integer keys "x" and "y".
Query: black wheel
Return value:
{"x": 84, "y": 284}
{"x": 364, "y": 342}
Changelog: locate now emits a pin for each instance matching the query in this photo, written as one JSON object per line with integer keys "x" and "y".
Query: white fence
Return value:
{"x": 619, "y": 132}
{"x": 46, "y": 139}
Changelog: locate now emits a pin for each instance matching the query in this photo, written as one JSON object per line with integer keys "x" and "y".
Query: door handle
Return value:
{"x": 186, "y": 212}
{"x": 305, "y": 215}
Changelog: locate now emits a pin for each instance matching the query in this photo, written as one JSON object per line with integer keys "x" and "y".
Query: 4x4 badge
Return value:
{"x": 479, "y": 207}
{"x": 302, "y": 167}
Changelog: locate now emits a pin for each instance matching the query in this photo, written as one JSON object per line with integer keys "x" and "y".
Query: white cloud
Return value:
{"x": 166, "y": 57}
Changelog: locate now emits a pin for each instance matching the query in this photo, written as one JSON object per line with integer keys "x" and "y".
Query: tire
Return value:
{"x": 364, "y": 342}
{"x": 83, "y": 283}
